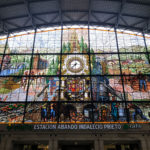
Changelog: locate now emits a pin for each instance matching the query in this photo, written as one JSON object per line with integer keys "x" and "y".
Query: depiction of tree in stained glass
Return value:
{"x": 45, "y": 65}
{"x": 15, "y": 65}
{"x": 70, "y": 75}
{"x": 105, "y": 64}
{"x": 75, "y": 41}
{"x": 11, "y": 113}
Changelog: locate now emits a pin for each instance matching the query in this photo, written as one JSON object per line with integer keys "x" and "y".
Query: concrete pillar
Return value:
{"x": 9, "y": 144}
{"x": 96, "y": 145}
{"x": 3, "y": 142}
{"x": 143, "y": 145}
{"x": 101, "y": 144}
{"x": 148, "y": 144}
{"x": 55, "y": 147}
{"x": 53, "y": 144}
{"x": 50, "y": 144}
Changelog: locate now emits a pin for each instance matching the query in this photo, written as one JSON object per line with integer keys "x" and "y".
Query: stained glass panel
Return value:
{"x": 2, "y": 43}
{"x": 105, "y": 64}
{"x": 48, "y": 40}
{"x": 105, "y": 87}
{"x": 11, "y": 112}
{"x": 75, "y": 89}
{"x": 75, "y": 65}
{"x": 61, "y": 77}
{"x": 75, "y": 40}
{"x": 45, "y": 65}
{"x": 20, "y": 42}
{"x": 13, "y": 89}
{"x": 102, "y": 40}
{"x": 15, "y": 65}
{"x": 110, "y": 112}
{"x": 43, "y": 89}
{"x": 134, "y": 63}
{"x": 130, "y": 41}
{"x": 75, "y": 112}
{"x": 41, "y": 112}
{"x": 139, "y": 112}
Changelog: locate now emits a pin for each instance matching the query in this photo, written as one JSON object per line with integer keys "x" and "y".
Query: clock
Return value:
{"x": 75, "y": 64}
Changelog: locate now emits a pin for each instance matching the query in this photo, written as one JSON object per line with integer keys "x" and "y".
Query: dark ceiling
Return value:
{"x": 17, "y": 15}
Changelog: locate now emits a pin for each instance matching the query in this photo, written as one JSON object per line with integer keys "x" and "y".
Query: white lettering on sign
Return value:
{"x": 84, "y": 126}
{"x": 67, "y": 126}
{"x": 45, "y": 126}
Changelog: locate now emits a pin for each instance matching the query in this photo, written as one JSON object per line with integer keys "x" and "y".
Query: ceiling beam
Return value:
{"x": 125, "y": 22}
{"x": 3, "y": 26}
{"x": 67, "y": 16}
{"x": 136, "y": 23}
{"x": 60, "y": 12}
{"x": 27, "y": 5}
{"x": 82, "y": 16}
{"x": 75, "y": 11}
{"x": 129, "y": 2}
{"x": 120, "y": 13}
{"x": 36, "y": 1}
{"x": 12, "y": 24}
{"x": 22, "y": 3}
{"x": 110, "y": 18}
{"x": 74, "y": 22}
{"x": 94, "y": 15}
{"x": 38, "y": 18}
{"x": 89, "y": 12}
{"x": 55, "y": 17}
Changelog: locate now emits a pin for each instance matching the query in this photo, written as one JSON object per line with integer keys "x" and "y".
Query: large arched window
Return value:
{"x": 75, "y": 74}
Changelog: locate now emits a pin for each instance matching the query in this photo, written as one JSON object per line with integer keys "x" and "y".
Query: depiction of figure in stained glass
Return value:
{"x": 142, "y": 81}
{"x": 52, "y": 112}
{"x": 104, "y": 113}
{"x": 44, "y": 113}
{"x": 137, "y": 111}
{"x": 53, "y": 87}
{"x": 101, "y": 87}
{"x": 114, "y": 109}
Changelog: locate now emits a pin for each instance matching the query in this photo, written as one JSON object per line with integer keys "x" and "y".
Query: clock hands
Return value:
{"x": 74, "y": 65}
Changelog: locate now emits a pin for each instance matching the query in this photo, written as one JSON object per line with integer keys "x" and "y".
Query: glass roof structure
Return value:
{"x": 16, "y": 15}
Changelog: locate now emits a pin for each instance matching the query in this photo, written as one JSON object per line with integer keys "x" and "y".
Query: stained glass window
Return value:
{"x": 75, "y": 74}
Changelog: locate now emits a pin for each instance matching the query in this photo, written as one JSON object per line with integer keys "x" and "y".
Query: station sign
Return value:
{"x": 36, "y": 127}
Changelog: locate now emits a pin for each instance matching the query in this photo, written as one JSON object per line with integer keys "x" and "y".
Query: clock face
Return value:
{"x": 75, "y": 64}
